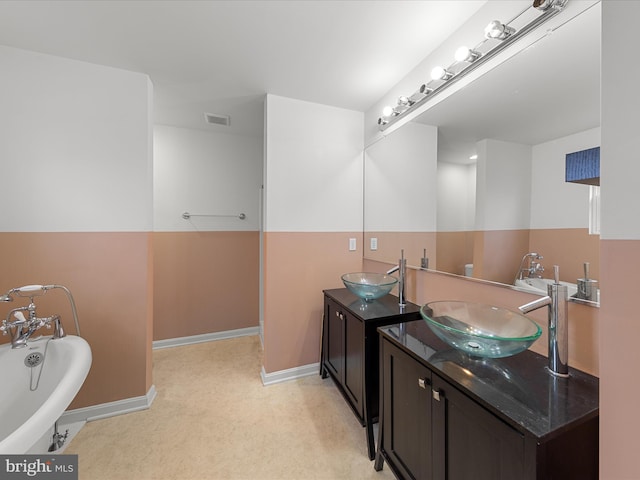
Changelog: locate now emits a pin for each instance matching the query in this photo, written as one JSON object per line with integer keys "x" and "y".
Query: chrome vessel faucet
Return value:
{"x": 557, "y": 301}
{"x": 401, "y": 268}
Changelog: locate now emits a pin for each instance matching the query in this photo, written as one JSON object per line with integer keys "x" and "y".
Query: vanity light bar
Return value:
{"x": 468, "y": 59}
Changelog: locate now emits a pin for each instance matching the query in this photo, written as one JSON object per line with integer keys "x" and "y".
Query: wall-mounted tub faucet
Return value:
{"x": 533, "y": 270}
{"x": 557, "y": 301}
{"x": 401, "y": 268}
{"x": 21, "y": 327}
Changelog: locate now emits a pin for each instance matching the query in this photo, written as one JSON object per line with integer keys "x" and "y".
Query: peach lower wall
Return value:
{"x": 205, "y": 282}
{"x": 298, "y": 266}
{"x": 496, "y": 254}
{"x": 569, "y": 248}
{"x": 109, "y": 276}
{"x": 426, "y": 286}
{"x": 391, "y": 243}
{"x": 455, "y": 250}
{"x": 619, "y": 333}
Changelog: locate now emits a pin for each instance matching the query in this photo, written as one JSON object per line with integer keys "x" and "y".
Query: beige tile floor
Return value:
{"x": 213, "y": 419}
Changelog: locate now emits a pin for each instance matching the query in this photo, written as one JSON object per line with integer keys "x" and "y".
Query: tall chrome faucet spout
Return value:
{"x": 401, "y": 268}
{"x": 558, "y": 324}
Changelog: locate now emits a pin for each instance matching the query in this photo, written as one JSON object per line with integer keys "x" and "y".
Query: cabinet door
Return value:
{"x": 335, "y": 339}
{"x": 353, "y": 361}
{"x": 407, "y": 413}
{"x": 470, "y": 443}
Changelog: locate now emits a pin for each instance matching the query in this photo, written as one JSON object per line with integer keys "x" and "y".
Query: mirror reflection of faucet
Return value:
{"x": 424, "y": 261}
{"x": 587, "y": 287}
{"x": 534, "y": 268}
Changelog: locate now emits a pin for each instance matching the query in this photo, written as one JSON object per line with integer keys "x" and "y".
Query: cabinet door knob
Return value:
{"x": 423, "y": 382}
{"x": 341, "y": 316}
{"x": 436, "y": 394}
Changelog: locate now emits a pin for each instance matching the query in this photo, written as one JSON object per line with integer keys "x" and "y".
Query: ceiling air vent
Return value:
{"x": 215, "y": 119}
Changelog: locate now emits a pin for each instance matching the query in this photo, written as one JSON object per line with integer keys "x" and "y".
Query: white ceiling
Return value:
{"x": 223, "y": 56}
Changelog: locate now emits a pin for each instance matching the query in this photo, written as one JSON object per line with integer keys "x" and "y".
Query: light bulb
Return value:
{"x": 498, "y": 30}
{"x": 387, "y": 111}
{"x": 439, "y": 73}
{"x": 465, "y": 54}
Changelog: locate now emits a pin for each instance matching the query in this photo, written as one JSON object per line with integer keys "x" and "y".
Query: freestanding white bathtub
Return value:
{"x": 38, "y": 383}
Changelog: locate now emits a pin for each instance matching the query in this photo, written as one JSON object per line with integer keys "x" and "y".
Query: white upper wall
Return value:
{"x": 456, "y": 197}
{"x": 619, "y": 168}
{"x": 503, "y": 187}
{"x": 206, "y": 173}
{"x": 75, "y": 145}
{"x": 400, "y": 181}
{"x": 313, "y": 167}
{"x": 554, "y": 202}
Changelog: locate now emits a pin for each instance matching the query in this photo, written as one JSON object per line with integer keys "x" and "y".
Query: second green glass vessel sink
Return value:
{"x": 480, "y": 329}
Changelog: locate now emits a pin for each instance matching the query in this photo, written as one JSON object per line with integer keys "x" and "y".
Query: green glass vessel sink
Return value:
{"x": 480, "y": 329}
{"x": 369, "y": 286}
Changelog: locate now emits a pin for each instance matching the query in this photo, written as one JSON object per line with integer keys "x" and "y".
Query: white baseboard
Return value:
{"x": 110, "y": 409}
{"x": 289, "y": 374}
{"x": 205, "y": 337}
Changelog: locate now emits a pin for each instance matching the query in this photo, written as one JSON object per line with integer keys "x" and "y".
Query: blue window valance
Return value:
{"x": 583, "y": 166}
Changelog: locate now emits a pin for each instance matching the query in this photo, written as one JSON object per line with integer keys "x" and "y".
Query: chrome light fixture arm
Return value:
{"x": 469, "y": 59}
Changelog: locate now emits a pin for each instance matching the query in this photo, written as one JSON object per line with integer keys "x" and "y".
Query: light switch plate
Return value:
{"x": 352, "y": 244}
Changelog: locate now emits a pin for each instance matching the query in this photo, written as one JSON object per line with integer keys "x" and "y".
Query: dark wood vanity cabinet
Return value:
{"x": 350, "y": 349}
{"x": 470, "y": 442}
{"x": 445, "y": 415}
{"x": 345, "y": 353}
{"x": 406, "y": 404}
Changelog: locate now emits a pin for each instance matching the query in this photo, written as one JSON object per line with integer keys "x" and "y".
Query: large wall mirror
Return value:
{"x": 478, "y": 217}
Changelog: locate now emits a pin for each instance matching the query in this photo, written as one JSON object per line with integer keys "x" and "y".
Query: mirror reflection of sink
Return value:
{"x": 369, "y": 286}
{"x": 539, "y": 285}
{"x": 479, "y": 329}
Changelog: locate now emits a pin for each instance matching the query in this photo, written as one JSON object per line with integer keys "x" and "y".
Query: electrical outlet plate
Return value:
{"x": 374, "y": 243}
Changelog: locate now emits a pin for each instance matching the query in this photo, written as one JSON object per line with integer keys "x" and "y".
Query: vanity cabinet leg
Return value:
{"x": 379, "y": 463}
{"x": 323, "y": 370}
{"x": 368, "y": 418}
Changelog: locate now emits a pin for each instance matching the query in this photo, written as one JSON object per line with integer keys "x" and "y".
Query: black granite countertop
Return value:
{"x": 517, "y": 389}
{"x": 384, "y": 307}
